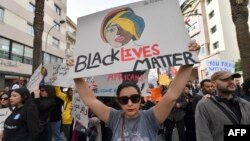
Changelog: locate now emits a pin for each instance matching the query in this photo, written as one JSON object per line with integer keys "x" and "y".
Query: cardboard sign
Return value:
{"x": 57, "y": 75}
{"x": 50, "y": 74}
{"x": 36, "y": 78}
{"x": 4, "y": 113}
{"x": 79, "y": 110}
{"x": 218, "y": 65}
{"x": 138, "y": 36}
{"x": 106, "y": 85}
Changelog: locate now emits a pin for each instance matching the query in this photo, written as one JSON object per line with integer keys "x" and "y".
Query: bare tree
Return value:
{"x": 240, "y": 18}
{"x": 38, "y": 26}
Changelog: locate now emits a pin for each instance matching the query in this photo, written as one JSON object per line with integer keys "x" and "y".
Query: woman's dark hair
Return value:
{"x": 49, "y": 89}
{"x": 4, "y": 93}
{"x": 24, "y": 93}
{"x": 127, "y": 84}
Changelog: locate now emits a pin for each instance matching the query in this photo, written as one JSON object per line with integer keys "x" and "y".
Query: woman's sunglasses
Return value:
{"x": 123, "y": 100}
{"x": 5, "y": 98}
{"x": 42, "y": 90}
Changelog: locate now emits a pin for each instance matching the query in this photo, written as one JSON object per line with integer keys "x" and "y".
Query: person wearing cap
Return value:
{"x": 22, "y": 123}
{"x": 210, "y": 118}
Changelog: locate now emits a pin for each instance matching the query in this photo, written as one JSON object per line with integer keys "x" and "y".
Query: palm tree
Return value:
{"x": 38, "y": 26}
{"x": 240, "y": 18}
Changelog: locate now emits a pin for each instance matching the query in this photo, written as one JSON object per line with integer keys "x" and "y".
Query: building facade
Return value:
{"x": 70, "y": 36}
{"x": 16, "y": 36}
{"x": 210, "y": 24}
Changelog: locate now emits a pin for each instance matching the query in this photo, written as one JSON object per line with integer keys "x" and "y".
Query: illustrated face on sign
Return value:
{"x": 116, "y": 36}
{"x": 120, "y": 26}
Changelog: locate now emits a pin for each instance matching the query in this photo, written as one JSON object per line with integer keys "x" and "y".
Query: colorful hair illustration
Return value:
{"x": 126, "y": 19}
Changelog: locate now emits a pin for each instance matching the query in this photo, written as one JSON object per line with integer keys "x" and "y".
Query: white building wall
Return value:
{"x": 15, "y": 21}
{"x": 14, "y": 28}
{"x": 225, "y": 34}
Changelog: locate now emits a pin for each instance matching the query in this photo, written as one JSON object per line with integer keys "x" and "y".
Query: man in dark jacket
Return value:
{"x": 206, "y": 88}
{"x": 223, "y": 108}
{"x": 176, "y": 118}
{"x": 246, "y": 89}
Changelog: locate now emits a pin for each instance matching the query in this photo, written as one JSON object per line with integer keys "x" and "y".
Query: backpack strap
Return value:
{"x": 233, "y": 120}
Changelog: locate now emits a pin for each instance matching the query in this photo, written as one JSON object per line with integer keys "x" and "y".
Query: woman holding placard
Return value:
{"x": 131, "y": 123}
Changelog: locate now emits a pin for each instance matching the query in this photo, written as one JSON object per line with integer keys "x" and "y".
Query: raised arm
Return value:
{"x": 86, "y": 94}
{"x": 59, "y": 93}
{"x": 164, "y": 107}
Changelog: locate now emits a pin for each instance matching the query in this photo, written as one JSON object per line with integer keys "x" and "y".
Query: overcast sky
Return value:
{"x": 78, "y": 8}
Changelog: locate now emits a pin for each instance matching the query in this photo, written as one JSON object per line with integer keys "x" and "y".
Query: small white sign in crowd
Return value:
{"x": 218, "y": 65}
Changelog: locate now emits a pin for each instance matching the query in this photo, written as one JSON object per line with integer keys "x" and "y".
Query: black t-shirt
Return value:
{"x": 21, "y": 125}
{"x": 235, "y": 107}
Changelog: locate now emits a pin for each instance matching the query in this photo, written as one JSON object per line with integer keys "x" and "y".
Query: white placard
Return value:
{"x": 79, "y": 110}
{"x": 57, "y": 75}
{"x": 36, "y": 78}
{"x": 218, "y": 65}
{"x": 138, "y": 36}
{"x": 4, "y": 113}
{"x": 107, "y": 84}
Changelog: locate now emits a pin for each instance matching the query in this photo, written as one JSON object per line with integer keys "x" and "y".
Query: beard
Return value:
{"x": 225, "y": 90}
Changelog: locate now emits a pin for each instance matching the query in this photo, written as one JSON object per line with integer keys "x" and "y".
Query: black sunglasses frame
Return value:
{"x": 5, "y": 98}
{"x": 123, "y": 100}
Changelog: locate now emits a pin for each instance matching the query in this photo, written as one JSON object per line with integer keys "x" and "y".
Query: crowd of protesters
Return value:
{"x": 45, "y": 114}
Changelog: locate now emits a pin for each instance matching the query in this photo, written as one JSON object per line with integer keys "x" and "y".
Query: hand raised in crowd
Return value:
{"x": 70, "y": 62}
{"x": 37, "y": 93}
{"x": 193, "y": 46}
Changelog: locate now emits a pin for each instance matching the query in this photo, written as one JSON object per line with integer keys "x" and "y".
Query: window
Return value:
{"x": 30, "y": 29}
{"x": 52, "y": 59}
{"x": 57, "y": 9}
{"x": 57, "y": 25}
{"x": 192, "y": 27}
{"x": 211, "y": 14}
{"x": 4, "y": 48}
{"x": 202, "y": 50}
{"x": 46, "y": 58}
{"x": 216, "y": 45}
{"x": 208, "y": 1}
{"x": 31, "y": 7}
{"x": 60, "y": 60}
{"x": 17, "y": 52}
{"x": 28, "y": 55}
{"x": 56, "y": 42}
{"x": 213, "y": 29}
{"x": 1, "y": 14}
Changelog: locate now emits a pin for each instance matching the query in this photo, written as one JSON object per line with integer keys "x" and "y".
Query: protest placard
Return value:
{"x": 137, "y": 36}
{"x": 4, "y": 113}
{"x": 57, "y": 75}
{"x": 50, "y": 74}
{"x": 218, "y": 65}
{"x": 79, "y": 110}
{"x": 36, "y": 78}
{"x": 106, "y": 85}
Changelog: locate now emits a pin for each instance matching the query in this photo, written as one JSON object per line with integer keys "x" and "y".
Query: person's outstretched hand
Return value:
{"x": 193, "y": 46}
{"x": 70, "y": 62}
